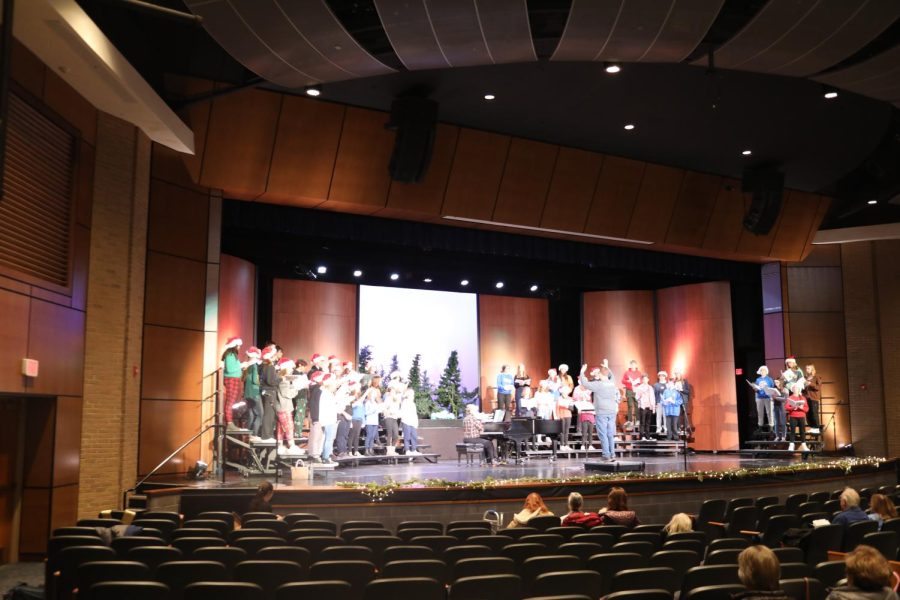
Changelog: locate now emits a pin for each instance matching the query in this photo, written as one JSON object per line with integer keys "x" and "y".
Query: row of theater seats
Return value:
{"x": 289, "y": 558}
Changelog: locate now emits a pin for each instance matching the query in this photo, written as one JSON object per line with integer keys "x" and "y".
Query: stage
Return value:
{"x": 450, "y": 491}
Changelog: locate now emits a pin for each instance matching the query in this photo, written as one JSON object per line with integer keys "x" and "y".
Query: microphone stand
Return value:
{"x": 684, "y": 435}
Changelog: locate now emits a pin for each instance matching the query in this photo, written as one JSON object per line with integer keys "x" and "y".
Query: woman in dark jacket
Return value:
{"x": 759, "y": 570}
{"x": 268, "y": 388}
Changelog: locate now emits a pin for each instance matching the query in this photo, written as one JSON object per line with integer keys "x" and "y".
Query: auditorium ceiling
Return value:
{"x": 701, "y": 81}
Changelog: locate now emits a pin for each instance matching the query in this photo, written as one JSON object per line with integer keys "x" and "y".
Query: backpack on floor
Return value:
{"x": 25, "y": 592}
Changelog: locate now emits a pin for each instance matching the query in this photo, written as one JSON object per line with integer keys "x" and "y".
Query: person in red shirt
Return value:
{"x": 796, "y": 411}
{"x": 630, "y": 380}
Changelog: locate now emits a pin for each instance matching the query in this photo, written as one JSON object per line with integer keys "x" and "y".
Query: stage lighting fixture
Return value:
{"x": 427, "y": 280}
{"x": 629, "y": 127}
{"x": 613, "y": 68}
{"x": 829, "y": 93}
{"x": 464, "y": 282}
{"x": 499, "y": 285}
{"x": 321, "y": 269}
{"x": 872, "y": 202}
{"x": 489, "y": 96}
{"x": 314, "y": 90}
{"x": 357, "y": 273}
{"x": 747, "y": 152}
{"x": 198, "y": 470}
{"x": 394, "y": 277}
{"x": 533, "y": 288}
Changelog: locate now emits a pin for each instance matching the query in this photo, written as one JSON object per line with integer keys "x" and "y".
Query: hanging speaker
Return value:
{"x": 415, "y": 121}
{"x": 767, "y": 186}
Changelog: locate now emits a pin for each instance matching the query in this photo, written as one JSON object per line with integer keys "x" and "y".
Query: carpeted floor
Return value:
{"x": 11, "y": 575}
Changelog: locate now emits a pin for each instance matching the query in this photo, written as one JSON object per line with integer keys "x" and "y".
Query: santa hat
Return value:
{"x": 351, "y": 383}
{"x": 347, "y": 365}
{"x": 763, "y": 370}
{"x": 286, "y": 363}
{"x": 234, "y": 342}
{"x": 317, "y": 377}
{"x": 325, "y": 378}
{"x": 662, "y": 374}
{"x": 316, "y": 357}
{"x": 332, "y": 358}
{"x": 254, "y": 352}
{"x": 594, "y": 370}
{"x": 551, "y": 372}
{"x": 395, "y": 375}
{"x": 564, "y": 367}
{"x": 790, "y": 359}
{"x": 269, "y": 352}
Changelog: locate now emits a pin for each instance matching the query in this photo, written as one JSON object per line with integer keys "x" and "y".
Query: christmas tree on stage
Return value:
{"x": 419, "y": 383}
{"x": 365, "y": 355}
{"x": 448, "y": 390}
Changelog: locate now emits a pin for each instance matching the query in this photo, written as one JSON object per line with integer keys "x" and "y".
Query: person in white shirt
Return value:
{"x": 328, "y": 410}
{"x": 390, "y": 408}
{"x": 646, "y": 401}
{"x": 409, "y": 416}
{"x": 372, "y": 403}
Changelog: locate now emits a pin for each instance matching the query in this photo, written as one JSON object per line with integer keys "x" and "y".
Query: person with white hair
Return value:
{"x": 763, "y": 400}
{"x": 850, "y": 510}
{"x": 473, "y": 429}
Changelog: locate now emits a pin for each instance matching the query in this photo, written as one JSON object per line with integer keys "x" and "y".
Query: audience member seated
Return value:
{"x": 759, "y": 571}
{"x": 578, "y": 518}
{"x": 616, "y": 511}
{"x": 850, "y": 510}
{"x": 534, "y": 507}
{"x": 881, "y": 508}
{"x": 262, "y": 501}
{"x": 679, "y": 523}
{"x": 868, "y": 577}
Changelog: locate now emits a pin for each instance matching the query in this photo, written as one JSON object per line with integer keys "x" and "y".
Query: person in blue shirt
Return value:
{"x": 763, "y": 401}
{"x": 850, "y": 510}
{"x": 672, "y": 401}
{"x": 505, "y": 390}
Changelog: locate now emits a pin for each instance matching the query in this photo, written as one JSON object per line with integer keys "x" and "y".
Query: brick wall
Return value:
{"x": 115, "y": 316}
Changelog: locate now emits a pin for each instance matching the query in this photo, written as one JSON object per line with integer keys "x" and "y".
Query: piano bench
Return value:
{"x": 470, "y": 451}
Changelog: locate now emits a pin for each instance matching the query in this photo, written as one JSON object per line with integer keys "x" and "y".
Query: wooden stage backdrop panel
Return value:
{"x": 512, "y": 331}
{"x": 695, "y": 334}
{"x": 313, "y": 316}
{"x": 619, "y": 326}
{"x": 237, "y": 301}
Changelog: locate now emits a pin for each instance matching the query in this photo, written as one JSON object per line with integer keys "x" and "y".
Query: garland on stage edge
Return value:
{"x": 380, "y": 491}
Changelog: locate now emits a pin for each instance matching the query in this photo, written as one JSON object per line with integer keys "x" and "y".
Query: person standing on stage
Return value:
{"x": 813, "y": 393}
{"x": 372, "y": 400}
{"x": 564, "y": 405}
{"x": 284, "y": 408}
{"x": 646, "y": 401}
{"x": 606, "y": 405}
{"x": 301, "y": 400}
{"x": 585, "y": 416}
{"x": 409, "y": 417}
{"x": 630, "y": 379}
{"x": 763, "y": 400}
{"x": 391, "y": 412}
{"x": 345, "y": 395}
{"x": 251, "y": 393}
{"x": 545, "y": 403}
{"x": 797, "y": 409}
{"x": 521, "y": 381}
{"x": 505, "y": 390}
{"x": 358, "y": 419}
{"x": 687, "y": 394}
{"x": 316, "y": 431}
{"x": 778, "y": 411}
{"x": 473, "y": 428}
{"x": 658, "y": 388}
{"x": 231, "y": 378}
{"x": 672, "y": 402}
{"x": 792, "y": 373}
{"x": 328, "y": 411}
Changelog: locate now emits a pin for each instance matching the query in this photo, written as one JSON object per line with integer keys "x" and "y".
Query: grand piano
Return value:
{"x": 513, "y": 435}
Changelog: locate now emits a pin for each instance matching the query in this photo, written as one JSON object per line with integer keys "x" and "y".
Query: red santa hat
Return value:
{"x": 332, "y": 358}
{"x": 286, "y": 363}
{"x": 269, "y": 352}
{"x": 234, "y": 342}
{"x": 254, "y": 352}
{"x": 316, "y": 357}
{"x": 790, "y": 359}
{"x": 662, "y": 374}
{"x": 317, "y": 377}
{"x": 352, "y": 383}
{"x": 325, "y": 378}
{"x": 347, "y": 364}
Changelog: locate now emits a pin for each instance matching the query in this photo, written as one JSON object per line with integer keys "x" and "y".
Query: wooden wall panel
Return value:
{"x": 791, "y": 238}
{"x": 756, "y": 245}
{"x": 238, "y": 148}
{"x": 81, "y": 257}
{"x": 237, "y": 301}
{"x": 11, "y": 411}
{"x": 184, "y": 235}
{"x": 305, "y": 149}
{"x": 64, "y": 506}
{"x": 571, "y": 189}
{"x": 166, "y": 425}
{"x": 361, "y": 168}
{"x": 476, "y": 174}
{"x": 615, "y": 196}
{"x": 427, "y": 196}
{"x": 526, "y": 179}
{"x": 512, "y": 331}
{"x": 695, "y": 334}
{"x": 67, "y": 442}
{"x": 815, "y": 289}
{"x": 619, "y": 326}
{"x": 173, "y": 363}
{"x": 26, "y": 69}
{"x": 693, "y": 209}
{"x": 725, "y": 221}
{"x": 177, "y": 296}
{"x": 312, "y": 316}
{"x": 56, "y": 339}
{"x": 655, "y": 203}
{"x": 62, "y": 99}
{"x": 40, "y": 414}
{"x": 14, "y": 319}
{"x": 84, "y": 184}
{"x": 34, "y": 528}
{"x": 815, "y": 334}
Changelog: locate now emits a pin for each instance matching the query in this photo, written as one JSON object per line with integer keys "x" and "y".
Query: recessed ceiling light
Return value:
{"x": 613, "y": 68}
{"x": 357, "y": 273}
{"x": 533, "y": 288}
{"x": 498, "y": 285}
{"x": 464, "y": 282}
{"x": 830, "y": 94}
{"x": 489, "y": 96}
{"x": 394, "y": 277}
{"x": 873, "y": 202}
{"x": 629, "y": 127}
{"x": 321, "y": 269}
{"x": 427, "y": 280}
{"x": 747, "y": 152}
{"x": 314, "y": 91}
